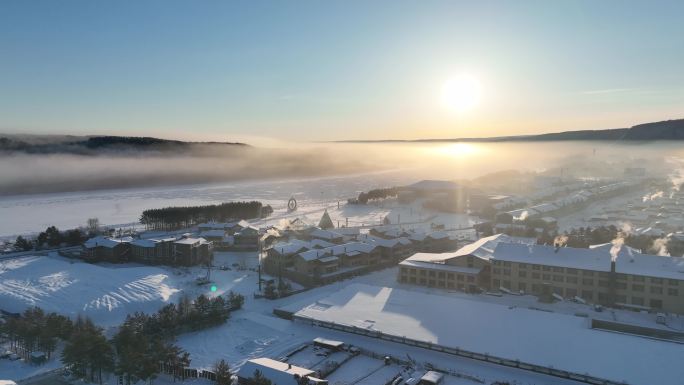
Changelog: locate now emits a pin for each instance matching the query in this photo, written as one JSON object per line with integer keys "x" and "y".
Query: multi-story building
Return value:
{"x": 602, "y": 274}
{"x": 629, "y": 279}
{"x": 465, "y": 269}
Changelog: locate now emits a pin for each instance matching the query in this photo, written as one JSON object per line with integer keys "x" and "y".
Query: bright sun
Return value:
{"x": 461, "y": 93}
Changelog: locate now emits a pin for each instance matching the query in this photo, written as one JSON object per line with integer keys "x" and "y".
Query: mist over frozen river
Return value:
{"x": 33, "y": 213}
{"x": 365, "y": 166}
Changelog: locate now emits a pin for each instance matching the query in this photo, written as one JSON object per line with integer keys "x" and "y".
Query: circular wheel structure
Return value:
{"x": 292, "y": 204}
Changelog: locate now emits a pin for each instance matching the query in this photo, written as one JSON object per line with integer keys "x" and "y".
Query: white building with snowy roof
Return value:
{"x": 279, "y": 373}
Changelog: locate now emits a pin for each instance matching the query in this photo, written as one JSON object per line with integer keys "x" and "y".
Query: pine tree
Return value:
{"x": 259, "y": 379}
{"x": 222, "y": 371}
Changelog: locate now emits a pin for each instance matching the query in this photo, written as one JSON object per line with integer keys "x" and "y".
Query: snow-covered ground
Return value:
{"x": 542, "y": 338}
{"x": 106, "y": 294}
{"x": 72, "y": 288}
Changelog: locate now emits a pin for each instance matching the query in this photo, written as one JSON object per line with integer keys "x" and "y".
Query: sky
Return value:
{"x": 336, "y": 70}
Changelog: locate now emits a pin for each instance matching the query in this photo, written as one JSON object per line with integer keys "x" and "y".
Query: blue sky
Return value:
{"x": 322, "y": 70}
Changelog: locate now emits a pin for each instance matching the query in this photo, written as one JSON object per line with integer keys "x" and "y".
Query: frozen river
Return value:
{"x": 33, "y": 213}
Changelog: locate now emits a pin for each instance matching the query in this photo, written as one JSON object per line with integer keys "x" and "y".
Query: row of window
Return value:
{"x": 437, "y": 274}
{"x": 585, "y": 294}
{"x": 587, "y": 273}
{"x": 435, "y": 283}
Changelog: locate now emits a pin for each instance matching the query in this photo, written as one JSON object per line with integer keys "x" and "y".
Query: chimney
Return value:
{"x": 612, "y": 266}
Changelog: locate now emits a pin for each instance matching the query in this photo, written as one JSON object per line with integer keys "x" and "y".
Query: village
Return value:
{"x": 401, "y": 285}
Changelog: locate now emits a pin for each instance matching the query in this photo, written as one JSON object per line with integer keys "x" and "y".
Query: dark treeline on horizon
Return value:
{"x": 173, "y": 218}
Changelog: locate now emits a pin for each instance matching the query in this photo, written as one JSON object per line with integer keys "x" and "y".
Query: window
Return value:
{"x": 636, "y": 287}
{"x": 656, "y": 290}
{"x": 496, "y": 283}
{"x": 496, "y": 263}
{"x": 588, "y": 294}
{"x": 603, "y": 283}
{"x": 450, "y": 276}
{"x": 571, "y": 271}
{"x": 432, "y": 273}
{"x": 471, "y": 278}
{"x": 546, "y": 277}
{"x": 656, "y": 303}
{"x": 423, "y": 273}
{"x": 522, "y": 286}
{"x": 507, "y": 284}
{"x": 621, "y": 285}
{"x": 638, "y": 301}
{"x": 558, "y": 278}
{"x": 672, "y": 282}
{"x": 571, "y": 280}
{"x": 557, "y": 269}
{"x": 671, "y": 291}
{"x": 536, "y": 267}
{"x": 450, "y": 285}
{"x": 603, "y": 274}
{"x": 431, "y": 282}
{"x": 507, "y": 271}
{"x": 423, "y": 281}
{"x": 496, "y": 270}
{"x": 522, "y": 266}
{"x": 570, "y": 292}
{"x": 507, "y": 264}
{"x": 587, "y": 282}
{"x": 621, "y": 298}
{"x": 522, "y": 274}
{"x": 535, "y": 275}
{"x": 404, "y": 270}
{"x": 546, "y": 268}
{"x": 558, "y": 290}
{"x": 587, "y": 273}
{"x": 637, "y": 278}
{"x": 536, "y": 288}
{"x": 658, "y": 281}
{"x": 412, "y": 279}
{"x": 460, "y": 277}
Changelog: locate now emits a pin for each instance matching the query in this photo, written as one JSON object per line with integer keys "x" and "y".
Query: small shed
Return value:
{"x": 38, "y": 358}
{"x": 431, "y": 378}
{"x": 331, "y": 345}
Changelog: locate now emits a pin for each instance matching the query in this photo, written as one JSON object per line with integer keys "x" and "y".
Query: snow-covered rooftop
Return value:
{"x": 597, "y": 258}
{"x": 278, "y": 372}
{"x": 106, "y": 242}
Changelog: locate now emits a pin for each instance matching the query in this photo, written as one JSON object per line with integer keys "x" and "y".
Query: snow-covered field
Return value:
{"x": 123, "y": 207}
{"x": 105, "y": 294}
{"x": 549, "y": 339}
{"x": 476, "y": 322}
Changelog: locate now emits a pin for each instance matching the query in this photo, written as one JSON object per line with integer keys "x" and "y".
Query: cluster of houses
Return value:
{"x": 599, "y": 274}
{"x": 238, "y": 236}
{"x": 316, "y": 256}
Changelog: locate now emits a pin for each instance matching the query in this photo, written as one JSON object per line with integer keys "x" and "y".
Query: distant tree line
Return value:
{"x": 375, "y": 194}
{"x": 173, "y": 218}
{"x": 50, "y": 238}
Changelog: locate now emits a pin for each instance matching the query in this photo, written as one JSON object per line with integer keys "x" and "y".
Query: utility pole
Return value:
{"x": 259, "y": 267}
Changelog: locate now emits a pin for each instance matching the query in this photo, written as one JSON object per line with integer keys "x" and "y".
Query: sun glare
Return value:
{"x": 461, "y": 93}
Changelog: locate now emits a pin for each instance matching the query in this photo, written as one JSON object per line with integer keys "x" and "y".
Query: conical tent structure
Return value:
{"x": 326, "y": 222}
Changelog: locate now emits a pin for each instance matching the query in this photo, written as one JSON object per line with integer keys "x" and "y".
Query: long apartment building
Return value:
{"x": 629, "y": 280}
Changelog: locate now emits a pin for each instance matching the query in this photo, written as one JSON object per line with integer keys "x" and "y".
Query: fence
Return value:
{"x": 184, "y": 373}
{"x": 547, "y": 370}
